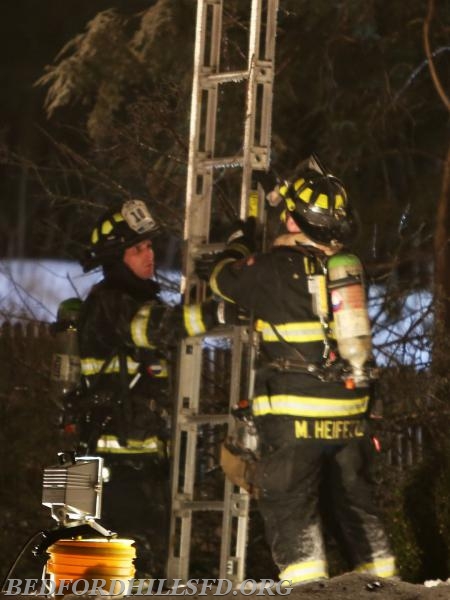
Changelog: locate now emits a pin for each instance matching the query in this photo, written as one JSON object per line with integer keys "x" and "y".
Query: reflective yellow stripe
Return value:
{"x": 290, "y": 204}
{"x": 304, "y": 571}
{"x": 253, "y": 204}
{"x": 306, "y": 406}
{"x": 298, "y": 184}
{"x": 284, "y": 189}
{"x": 193, "y": 321}
{"x": 338, "y": 201}
{"x": 213, "y": 279}
{"x": 150, "y": 444}
{"x": 159, "y": 369}
{"x": 110, "y": 443}
{"x": 306, "y": 331}
{"x": 106, "y": 227}
{"x": 92, "y": 366}
{"x": 321, "y": 201}
{"x": 94, "y": 236}
{"x": 305, "y": 195}
{"x": 380, "y": 567}
{"x": 139, "y": 327}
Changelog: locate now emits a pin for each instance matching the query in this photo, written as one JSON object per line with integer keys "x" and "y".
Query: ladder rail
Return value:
{"x": 232, "y": 564}
{"x": 187, "y": 393}
{"x": 197, "y": 200}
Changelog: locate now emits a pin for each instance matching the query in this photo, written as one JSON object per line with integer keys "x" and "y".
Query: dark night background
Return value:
{"x": 32, "y": 32}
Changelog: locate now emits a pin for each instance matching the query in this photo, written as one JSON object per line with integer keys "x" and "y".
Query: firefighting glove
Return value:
{"x": 270, "y": 183}
{"x": 266, "y": 179}
{"x": 216, "y": 313}
{"x": 228, "y": 313}
{"x": 242, "y": 241}
{"x": 204, "y": 266}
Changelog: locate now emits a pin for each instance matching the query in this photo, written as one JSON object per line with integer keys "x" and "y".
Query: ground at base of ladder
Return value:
{"x": 350, "y": 586}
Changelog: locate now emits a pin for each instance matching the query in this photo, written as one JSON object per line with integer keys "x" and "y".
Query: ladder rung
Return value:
{"x": 218, "y": 332}
{"x": 203, "y": 249}
{"x": 181, "y": 505}
{"x": 258, "y": 155}
{"x": 225, "y": 77}
{"x": 227, "y": 162}
{"x": 204, "y": 419}
{"x": 264, "y": 74}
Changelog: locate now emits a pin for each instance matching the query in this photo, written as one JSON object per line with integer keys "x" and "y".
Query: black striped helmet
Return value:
{"x": 319, "y": 205}
{"x": 116, "y": 231}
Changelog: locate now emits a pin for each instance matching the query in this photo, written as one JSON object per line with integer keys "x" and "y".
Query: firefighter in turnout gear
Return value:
{"x": 311, "y": 418}
{"x": 126, "y": 335}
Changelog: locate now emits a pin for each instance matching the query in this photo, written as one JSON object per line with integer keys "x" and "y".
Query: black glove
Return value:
{"x": 217, "y": 313}
{"x": 267, "y": 180}
{"x": 231, "y": 314}
{"x": 240, "y": 243}
{"x": 204, "y": 266}
{"x": 270, "y": 183}
{"x": 243, "y": 235}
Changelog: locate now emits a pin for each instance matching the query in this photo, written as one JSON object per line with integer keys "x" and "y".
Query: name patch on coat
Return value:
{"x": 328, "y": 429}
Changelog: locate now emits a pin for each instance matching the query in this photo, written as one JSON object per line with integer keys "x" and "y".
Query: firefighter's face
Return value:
{"x": 291, "y": 225}
{"x": 140, "y": 259}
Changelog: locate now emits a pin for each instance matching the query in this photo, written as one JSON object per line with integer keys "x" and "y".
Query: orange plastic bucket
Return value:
{"x": 90, "y": 559}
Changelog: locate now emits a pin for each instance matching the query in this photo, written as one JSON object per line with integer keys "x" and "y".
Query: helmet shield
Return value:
{"x": 138, "y": 217}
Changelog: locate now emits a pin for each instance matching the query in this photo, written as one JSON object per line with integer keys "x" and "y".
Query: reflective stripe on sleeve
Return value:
{"x": 92, "y": 366}
{"x": 213, "y": 279}
{"x": 306, "y": 406}
{"x": 139, "y": 327}
{"x": 193, "y": 321}
{"x": 304, "y": 571}
{"x": 158, "y": 369}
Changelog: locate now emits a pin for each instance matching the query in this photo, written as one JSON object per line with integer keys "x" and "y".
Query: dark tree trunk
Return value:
{"x": 442, "y": 252}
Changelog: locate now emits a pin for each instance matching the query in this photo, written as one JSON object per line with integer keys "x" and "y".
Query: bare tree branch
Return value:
{"x": 426, "y": 43}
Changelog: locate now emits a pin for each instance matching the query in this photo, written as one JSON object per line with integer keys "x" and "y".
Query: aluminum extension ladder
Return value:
{"x": 257, "y": 79}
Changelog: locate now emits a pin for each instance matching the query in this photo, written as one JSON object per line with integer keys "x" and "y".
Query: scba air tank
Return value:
{"x": 65, "y": 369}
{"x": 351, "y": 318}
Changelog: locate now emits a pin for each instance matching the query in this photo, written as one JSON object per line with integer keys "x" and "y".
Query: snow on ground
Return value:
{"x": 33, "y": 289}
{"x": 352, "y": 586}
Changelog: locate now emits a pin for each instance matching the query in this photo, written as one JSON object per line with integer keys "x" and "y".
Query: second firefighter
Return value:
{"x": 312, "y": 428}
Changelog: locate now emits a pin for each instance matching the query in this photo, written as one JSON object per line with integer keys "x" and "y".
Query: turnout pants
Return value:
{"x": 290, "y": 476}
{"x": 136, "y": 505}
